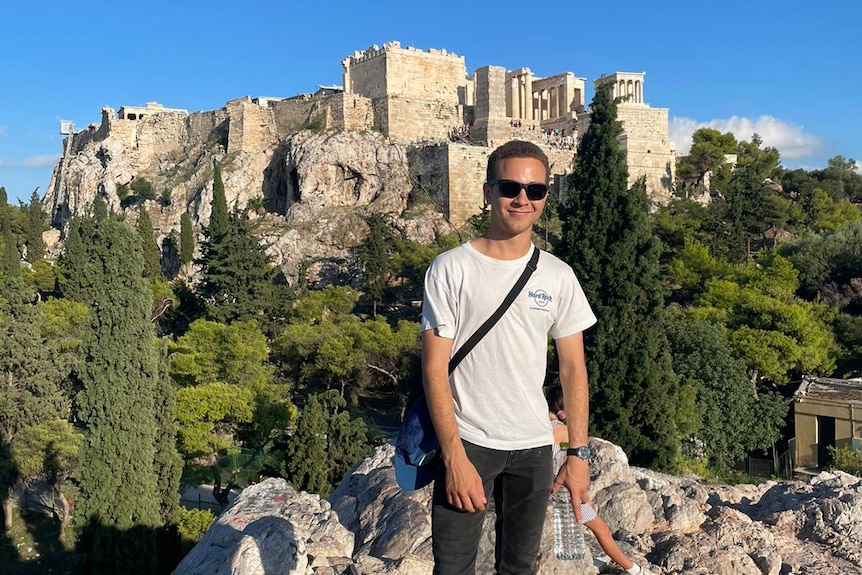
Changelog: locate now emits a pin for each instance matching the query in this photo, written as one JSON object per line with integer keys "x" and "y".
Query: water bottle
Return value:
{"x": 568, "y": 533}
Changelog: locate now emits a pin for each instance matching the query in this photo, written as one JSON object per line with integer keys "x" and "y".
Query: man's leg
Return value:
{"x": 455, "y": 534}
{"x": 521, "y": 497}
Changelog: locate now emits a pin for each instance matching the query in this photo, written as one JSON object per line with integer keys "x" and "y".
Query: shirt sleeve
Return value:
{"x": 575, "y": 314}
{"x": 439, "y": 306}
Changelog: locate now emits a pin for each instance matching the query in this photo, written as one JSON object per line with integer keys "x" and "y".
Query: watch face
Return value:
{"x": 582, "y": 452}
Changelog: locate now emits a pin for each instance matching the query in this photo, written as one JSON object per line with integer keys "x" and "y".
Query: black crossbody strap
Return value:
{"x": 489, "y": 323}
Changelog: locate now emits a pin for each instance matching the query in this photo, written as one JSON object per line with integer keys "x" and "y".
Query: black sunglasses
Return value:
{"x": 511, "y": 189}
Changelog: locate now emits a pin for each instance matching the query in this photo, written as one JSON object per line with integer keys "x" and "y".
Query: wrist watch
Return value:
{"x": 582, "y": 452}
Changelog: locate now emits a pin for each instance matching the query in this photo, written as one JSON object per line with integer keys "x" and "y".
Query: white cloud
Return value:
{"x": 2, "y": 130}
{"x": 790, "y": 139}
{"x": 43, "y": 161}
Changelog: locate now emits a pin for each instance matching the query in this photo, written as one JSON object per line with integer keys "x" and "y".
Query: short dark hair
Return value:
{"x": 516, "y": 149}
{"x": 555, "y": 399}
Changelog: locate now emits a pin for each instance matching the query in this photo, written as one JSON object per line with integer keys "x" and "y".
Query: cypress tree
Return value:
{"x": 152, "y": 254}
{"x": 119, "y": 394}
{"x": 36, "y": 217}
{"x": 375, "y": 256}
{"x": 219, "y": 216}
{"x": 187, "y": 239}
{"x": 607, "y": 239}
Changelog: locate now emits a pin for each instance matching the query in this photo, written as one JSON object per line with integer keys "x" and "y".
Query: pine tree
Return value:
{"x": 607, "y": 239}
{"x": 236, "y": 282}
{"x": 120, "y": 391}
{"x": 187, "y": 239}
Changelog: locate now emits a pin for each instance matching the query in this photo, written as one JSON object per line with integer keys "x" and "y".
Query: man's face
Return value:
{"x": 514, "y": 216}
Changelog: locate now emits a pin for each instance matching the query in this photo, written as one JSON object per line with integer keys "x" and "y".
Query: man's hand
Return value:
{"x": 464, "y": 489}
{"x": 574, "y": 475}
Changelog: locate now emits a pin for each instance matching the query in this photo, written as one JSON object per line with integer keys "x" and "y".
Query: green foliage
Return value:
{"x": 708, "y": 154}
{"x": 193, "y": 524}
{"x": 32, "y": 363}
{"x": 219, "y": 223}
{"x": 230, "y": 364}
{"x": 152, "y": 254}
{"x": 375, "y": 254}
{"x": 325, "y": 346}
{"x": 237, "y": 276}
{"x": 732, "y": 421}
{"x": 214, "y": 352}
{"x": 208, "y": 415}
{"x": 123, "y": 192}
{"x": 165, "y": 197}
{"x": 42, "y": 276}
{"x": 327, "y": 442}
{"x": 36, "y": 218}
{"x": 47, "y": 451}
{"x": 187, "y": 239}
{"x": 846, "y": 460}
{"x": 410, "y": 260}
{"x": 776, "y": 334}
{"x": 143, "y": 189}
{"x": 827, "y": 263}
{"x": 118, "y": 387}
{"x": 693, "y": 265}
{"x": 607, "y": 239}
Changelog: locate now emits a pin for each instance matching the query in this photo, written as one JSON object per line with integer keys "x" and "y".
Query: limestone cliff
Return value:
{"x": 309, "y": 189}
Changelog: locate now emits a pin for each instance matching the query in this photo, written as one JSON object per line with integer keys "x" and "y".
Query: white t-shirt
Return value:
{"x": 497, "y": 388}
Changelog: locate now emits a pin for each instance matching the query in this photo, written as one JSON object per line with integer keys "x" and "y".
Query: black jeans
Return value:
{"x": 520, "y": 483}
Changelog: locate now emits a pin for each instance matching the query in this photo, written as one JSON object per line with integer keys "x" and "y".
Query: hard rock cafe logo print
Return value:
{"x": 540, "y": 297}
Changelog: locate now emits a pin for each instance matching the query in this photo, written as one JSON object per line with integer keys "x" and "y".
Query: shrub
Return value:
{"x": 192, "y": 524}
{"x": 847, "y": 460}
{"x": 143, "y": 189}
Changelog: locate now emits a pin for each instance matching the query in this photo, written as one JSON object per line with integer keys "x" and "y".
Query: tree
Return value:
{"x": 327, "y": 442}
{"x": 708, "y": 155}
{"x": 776, "y": 334}
{"x": 732, "y": 422}
{"x": 219, "y": 215}
{"x": 152, "y": 254}
{"x": 608, "y": 240}
{"x": 34, "y": 360}
{"x": 375, "y": 255}
{"x": 237, "y": 276}
{"x": 228, "y": 395}
{"x": 118, "y": 393}
{"x": 36, "y": 218}
{"x": 143, "y": 189}
{"x": 187, "y": 240}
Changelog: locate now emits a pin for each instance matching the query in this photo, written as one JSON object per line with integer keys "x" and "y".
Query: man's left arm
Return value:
{"x": 575, "y": 474}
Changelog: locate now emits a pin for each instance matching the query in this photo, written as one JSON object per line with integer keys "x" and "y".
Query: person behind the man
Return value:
{"x": 491, "y": 416}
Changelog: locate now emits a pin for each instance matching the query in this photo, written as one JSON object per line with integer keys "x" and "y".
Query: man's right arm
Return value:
{"x": 463, "y": 485}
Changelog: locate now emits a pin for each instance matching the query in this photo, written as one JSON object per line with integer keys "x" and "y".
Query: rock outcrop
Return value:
{"x": 675, "y": 525}
{"x": 311, "y": 190}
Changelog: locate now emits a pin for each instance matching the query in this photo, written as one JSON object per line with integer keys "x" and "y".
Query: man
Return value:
{"x": 491, "y": 415}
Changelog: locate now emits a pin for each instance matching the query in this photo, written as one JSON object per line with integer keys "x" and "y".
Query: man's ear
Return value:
{"x": 486, "y": 193}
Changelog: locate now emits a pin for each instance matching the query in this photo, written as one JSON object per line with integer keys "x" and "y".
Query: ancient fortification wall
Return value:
{"x": 424, "y": 97}
{"x": 415, "y": 94}
{"x": 251, "y": 127}
{"x": 649, "y": 151}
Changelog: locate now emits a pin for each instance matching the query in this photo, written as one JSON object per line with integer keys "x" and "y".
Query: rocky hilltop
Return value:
{"x": 674, "y": 525}
{"x": 309, "y": 189}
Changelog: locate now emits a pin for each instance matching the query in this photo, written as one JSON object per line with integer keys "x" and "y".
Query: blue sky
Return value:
{"x": 786, "y": 70}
